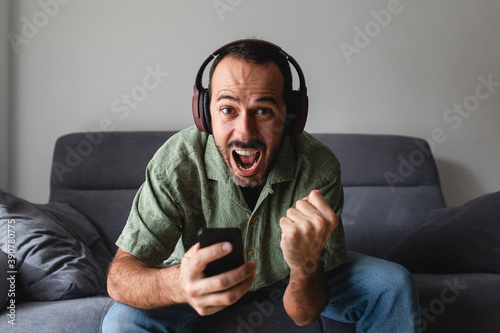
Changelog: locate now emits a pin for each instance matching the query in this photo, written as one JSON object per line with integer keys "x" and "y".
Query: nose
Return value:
{"x": 246, "y": 127}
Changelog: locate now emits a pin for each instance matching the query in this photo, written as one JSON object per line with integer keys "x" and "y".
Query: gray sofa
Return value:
{"x": 392, "y": 198}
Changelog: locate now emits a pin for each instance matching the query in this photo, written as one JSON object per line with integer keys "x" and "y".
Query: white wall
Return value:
{"x": 4, "y": 93}
{"x": 76, "y": 60}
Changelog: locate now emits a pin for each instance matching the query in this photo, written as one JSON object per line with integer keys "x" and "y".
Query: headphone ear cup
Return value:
{"x": 297, "y": 112}
{"x": 291, "y": 114}
{"x": 205, "y": 111}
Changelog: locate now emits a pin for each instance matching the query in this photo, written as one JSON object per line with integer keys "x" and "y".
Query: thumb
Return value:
{"x": 313, "y": 192}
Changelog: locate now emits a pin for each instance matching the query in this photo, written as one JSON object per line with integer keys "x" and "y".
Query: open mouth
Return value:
{"x": 246, "y": 160}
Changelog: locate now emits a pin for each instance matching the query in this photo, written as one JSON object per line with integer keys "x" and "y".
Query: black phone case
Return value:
{"x": 209, "y": 236}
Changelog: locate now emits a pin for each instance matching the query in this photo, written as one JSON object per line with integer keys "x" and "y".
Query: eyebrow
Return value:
{"x": 229, "y": 97}
{"x": 267, "y": 99}
{"x": 258, "y": 100}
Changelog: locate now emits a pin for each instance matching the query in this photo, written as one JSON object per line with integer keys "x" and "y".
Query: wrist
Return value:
{"x": 305, "y": 278}
{"x": 175, "y": 288}
{"x": 309, "y": 269}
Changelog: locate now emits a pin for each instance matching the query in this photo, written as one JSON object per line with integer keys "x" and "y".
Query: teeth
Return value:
{"x": 247, "y": 169}
{"x": 246, "y": 152}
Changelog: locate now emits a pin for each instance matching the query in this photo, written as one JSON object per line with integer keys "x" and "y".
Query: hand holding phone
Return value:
{"x": 210, "y": 236}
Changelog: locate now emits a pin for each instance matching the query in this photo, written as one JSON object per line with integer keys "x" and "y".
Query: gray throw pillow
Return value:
{"x": 60, "y": 254}
{"x": 4, "y": 281}
{"x": 455, "y": 240}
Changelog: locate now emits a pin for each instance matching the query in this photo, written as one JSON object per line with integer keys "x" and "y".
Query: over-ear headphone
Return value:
{"x": 296, "y": 113}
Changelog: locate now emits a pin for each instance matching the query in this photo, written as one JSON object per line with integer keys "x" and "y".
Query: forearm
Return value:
{"x": 305, "y": 231}
{"x": 133, "y": 282}
{"x": 306, "y": 297}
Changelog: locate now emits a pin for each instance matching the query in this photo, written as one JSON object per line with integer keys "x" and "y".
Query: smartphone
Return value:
{"x": 209, "y": 236}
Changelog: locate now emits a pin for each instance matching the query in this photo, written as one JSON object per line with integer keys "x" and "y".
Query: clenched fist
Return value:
{"x": 305, "y": 231}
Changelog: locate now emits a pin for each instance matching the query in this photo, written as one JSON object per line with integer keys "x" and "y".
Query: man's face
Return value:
{"x": 248, "y": 113}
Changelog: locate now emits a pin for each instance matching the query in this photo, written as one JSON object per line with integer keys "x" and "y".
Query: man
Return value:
{"x": 281, "y": 189}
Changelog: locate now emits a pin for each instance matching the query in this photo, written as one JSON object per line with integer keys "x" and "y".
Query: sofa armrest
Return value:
{"x": 4, "y": 283}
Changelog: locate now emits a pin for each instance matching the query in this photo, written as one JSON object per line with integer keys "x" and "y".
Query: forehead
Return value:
{"x": 238, "y": 73}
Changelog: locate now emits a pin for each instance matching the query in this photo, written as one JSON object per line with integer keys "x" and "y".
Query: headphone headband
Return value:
{"x": 296, "y": 116}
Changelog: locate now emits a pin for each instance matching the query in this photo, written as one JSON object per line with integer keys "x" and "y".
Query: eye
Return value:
{"x": 263, "y": 111}
{"x": 227, "y": 110}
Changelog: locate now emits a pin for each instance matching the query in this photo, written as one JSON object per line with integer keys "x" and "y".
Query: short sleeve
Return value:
{"x": 154, "y": 225}
{"x": 335, "y": 252}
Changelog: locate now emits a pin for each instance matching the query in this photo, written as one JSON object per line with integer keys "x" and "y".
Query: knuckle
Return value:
{"x": 222, "y": 283}
{"x": 293, "y": 230}
{"x": 300, "y": 204}
{"x": 195, "y": 261}
{"x": 190, "y": 291}
{"x": 333, "y": 222}
{"x": 202, "y": 311}
{"x": 229, "y": 299}
{"x": 290, "y": 235}
{"x": 319, "y": 221}
{"x": 316, "y": 194}
{"x": 333, "y": 217}
{"x": 308, "y": 228}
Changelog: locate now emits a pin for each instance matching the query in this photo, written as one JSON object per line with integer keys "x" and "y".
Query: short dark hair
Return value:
{"x": 258, "y": 52}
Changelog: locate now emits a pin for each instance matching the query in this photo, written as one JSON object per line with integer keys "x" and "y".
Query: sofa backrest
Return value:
{"x": 390, "y": 182}
{"x": 390, "y": 185}
{"x": 99, "y": 173}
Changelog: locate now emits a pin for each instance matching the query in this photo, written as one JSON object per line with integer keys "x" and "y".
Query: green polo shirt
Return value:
{"x": 188, "y": 187}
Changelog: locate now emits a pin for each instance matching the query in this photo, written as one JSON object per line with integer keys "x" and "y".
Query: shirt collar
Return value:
{"x": 282, "y": 171}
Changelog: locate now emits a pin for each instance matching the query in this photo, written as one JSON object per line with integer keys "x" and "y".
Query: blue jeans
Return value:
{"x": 377, "y": 295}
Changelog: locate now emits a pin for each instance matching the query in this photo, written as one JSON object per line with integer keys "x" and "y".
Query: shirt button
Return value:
{"x": 253, "y": 219}
{"x": 250, "y": 253}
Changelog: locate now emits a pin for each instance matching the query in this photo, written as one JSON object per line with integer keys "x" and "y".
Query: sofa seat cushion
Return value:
{"x": 83, "y": 315}
{"x": 466, "y": 302}
{"x": 60, "y": 255}
{"x": 454, "y": 240}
